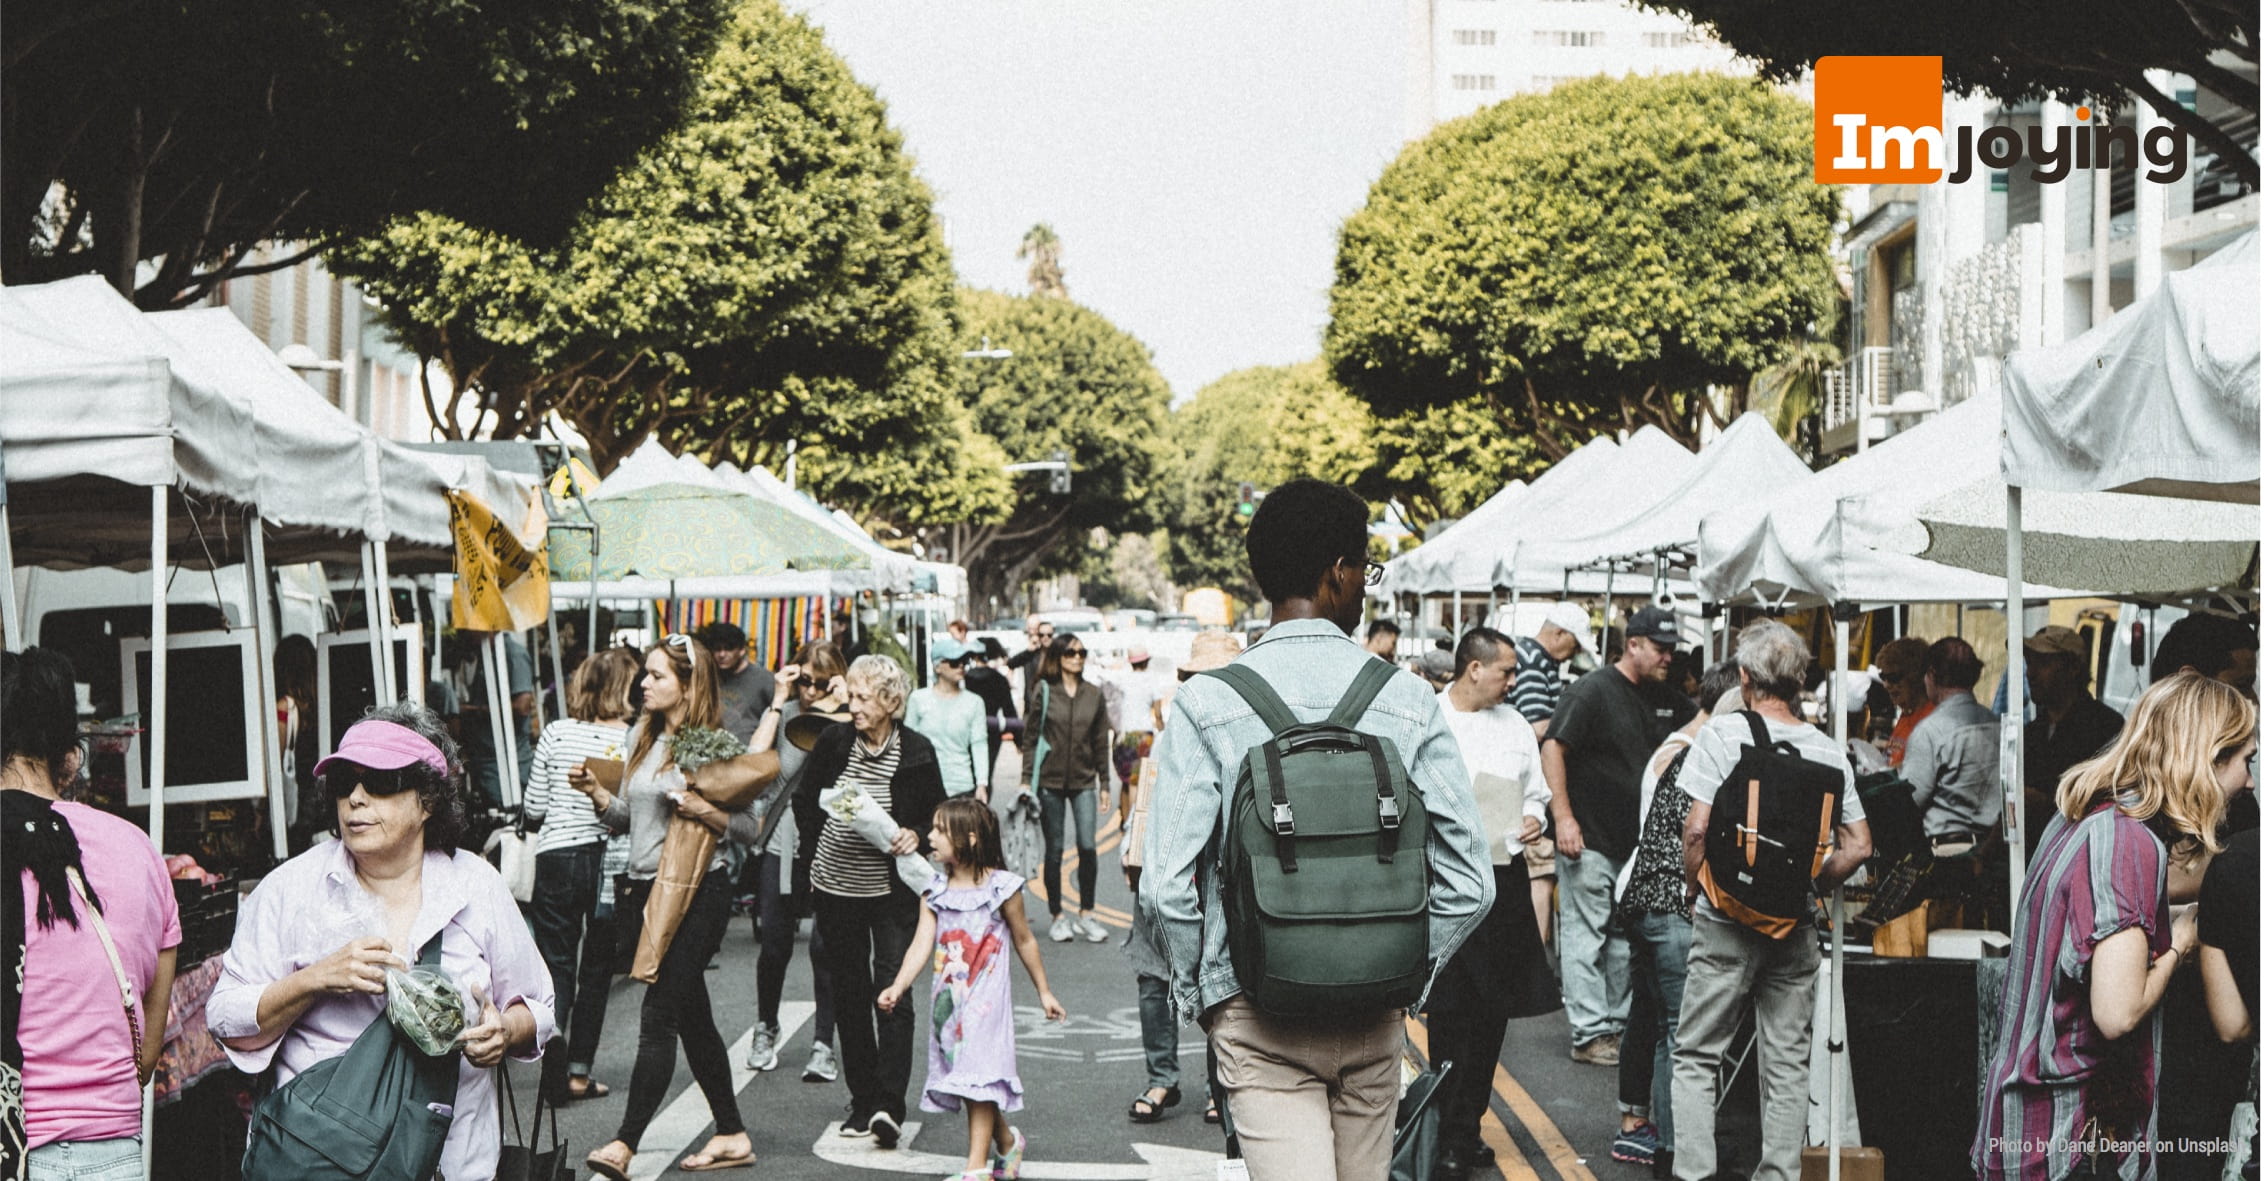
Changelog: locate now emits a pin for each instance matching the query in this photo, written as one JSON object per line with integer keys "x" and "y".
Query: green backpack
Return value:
{"x": 1325, "y": 869}
{"x": 378, "y": 1112}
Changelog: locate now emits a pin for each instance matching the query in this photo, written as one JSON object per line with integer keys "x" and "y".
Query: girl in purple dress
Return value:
{"x": 968, "y": 916}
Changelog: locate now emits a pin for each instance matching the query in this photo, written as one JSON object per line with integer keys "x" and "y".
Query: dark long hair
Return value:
{"x": 1049, "y": 664}
{"x": 972, "y": 829}
{"x": 39, "y": 723}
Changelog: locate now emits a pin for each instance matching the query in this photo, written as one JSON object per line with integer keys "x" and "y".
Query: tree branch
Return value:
{"x": 2227, "y": 148}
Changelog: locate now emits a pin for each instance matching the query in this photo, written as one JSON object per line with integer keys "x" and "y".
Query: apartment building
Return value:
{"x": 329, "y": 332}
{"x": 1949, "y": 279}
{"x": 1466, "y": 54}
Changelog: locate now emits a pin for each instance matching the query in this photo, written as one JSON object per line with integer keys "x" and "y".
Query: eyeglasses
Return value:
{"x": 1372, "y": 571}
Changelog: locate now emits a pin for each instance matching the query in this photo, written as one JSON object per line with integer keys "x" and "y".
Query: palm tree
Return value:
{"x": 1043, "y": 248}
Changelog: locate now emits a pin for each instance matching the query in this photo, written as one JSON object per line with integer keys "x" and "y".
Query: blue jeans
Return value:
{"x": 87, "y": 1160}
{"x": 1054, "y": 809}
{"x": 1159, "y": 1034}
{"x": 1658, "y": 960}
{"x": 1592, "y": 958}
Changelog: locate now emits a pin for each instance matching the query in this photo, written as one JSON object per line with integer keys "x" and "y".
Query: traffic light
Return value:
{"x": 1059, "y": 482}
{"x": 1246, "y": 500}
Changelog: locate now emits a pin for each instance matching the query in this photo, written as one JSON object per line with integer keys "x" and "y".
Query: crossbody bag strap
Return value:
{"x": 117, "y": 966}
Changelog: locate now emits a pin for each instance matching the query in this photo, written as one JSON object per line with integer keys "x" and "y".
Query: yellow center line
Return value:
{"x": 1508, "y": 1158}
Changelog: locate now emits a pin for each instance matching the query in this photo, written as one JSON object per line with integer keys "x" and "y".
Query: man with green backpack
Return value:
{"x": 1314, "y": 853}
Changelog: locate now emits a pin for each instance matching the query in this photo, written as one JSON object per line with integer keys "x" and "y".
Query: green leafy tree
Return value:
{"x": 1076, "y": 383}
{"x": 769, "y": 271}
{"x": 1264, "y": 426}
{"x": 1440, "y": 462}
{"x": 179, "y": 136}
{"x": 2073, "y": 50}
{"x": 1590, "y": 259}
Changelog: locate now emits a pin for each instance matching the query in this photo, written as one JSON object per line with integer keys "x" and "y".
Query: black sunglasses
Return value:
{"x": 340, "y": 781}
{"x": 1068, "y": 652}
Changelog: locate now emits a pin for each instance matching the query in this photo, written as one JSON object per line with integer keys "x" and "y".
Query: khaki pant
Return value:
{"x": 1310, "y": 1100}
{"x": 1733, "y": 966}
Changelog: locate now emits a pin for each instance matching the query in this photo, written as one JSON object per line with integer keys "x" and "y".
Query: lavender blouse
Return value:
{"x": 312, "y": 905}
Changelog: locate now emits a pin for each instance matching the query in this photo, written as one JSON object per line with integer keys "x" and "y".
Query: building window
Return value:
{"x": 1668, "y": 40}
{"x": 1473, "y": 36}
{"x": 1568, "y": 38}
{"x": 1473, "y": 81}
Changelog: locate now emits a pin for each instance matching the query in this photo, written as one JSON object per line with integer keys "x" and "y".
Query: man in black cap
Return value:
{"x": 1605, "y": 727}
{"x": 744, "y": 688}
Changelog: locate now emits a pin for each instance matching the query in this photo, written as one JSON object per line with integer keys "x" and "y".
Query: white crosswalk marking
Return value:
{"x": 680, "y": 1123}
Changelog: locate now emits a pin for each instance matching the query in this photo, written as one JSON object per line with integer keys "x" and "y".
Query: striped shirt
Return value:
{"x": 1540, "y": 681}
{"x": 847, "y": 865}
{"x": 567, "y": 819}
{"x": 2053, "y": 1072}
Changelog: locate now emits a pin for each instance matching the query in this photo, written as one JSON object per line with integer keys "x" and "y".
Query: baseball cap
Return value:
{"x": 1655, "y": 623}
{"x": 2057, "y": 640}
{"x": 1437, "y": 665}
{"x": 947, "y": 651}
{"x": 1573, "y": 617}
{"x": 1136, "y": 656}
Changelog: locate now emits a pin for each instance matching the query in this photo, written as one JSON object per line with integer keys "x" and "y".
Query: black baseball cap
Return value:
{"x": 1657, "y": 624}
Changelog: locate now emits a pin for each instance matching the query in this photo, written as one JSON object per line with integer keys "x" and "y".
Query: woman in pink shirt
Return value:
{"x": 82, "y": 1029}
{"x": 305, "y": 974}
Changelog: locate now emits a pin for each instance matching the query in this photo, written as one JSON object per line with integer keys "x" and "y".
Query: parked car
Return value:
{"x": 1178, "y": 623}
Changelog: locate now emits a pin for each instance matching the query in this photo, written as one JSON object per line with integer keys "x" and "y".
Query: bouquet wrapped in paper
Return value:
{"x": 684, "y": 852}
{"x": 865, "y": 817}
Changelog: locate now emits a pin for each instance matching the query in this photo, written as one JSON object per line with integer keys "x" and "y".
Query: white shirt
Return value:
{"x": 1136, "y": 709}
{"x": 1722, "y": 741}
{"x": 1502, "y": 756}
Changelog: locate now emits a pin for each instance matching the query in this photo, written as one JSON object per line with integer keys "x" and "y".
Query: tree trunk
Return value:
{"x": 125, "y": 236}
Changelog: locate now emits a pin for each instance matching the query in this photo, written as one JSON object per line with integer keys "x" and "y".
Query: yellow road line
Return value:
{"x": 1559, "y": 1150}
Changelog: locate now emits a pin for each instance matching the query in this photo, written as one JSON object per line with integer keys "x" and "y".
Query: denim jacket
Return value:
{"x": 1310, "y": 663}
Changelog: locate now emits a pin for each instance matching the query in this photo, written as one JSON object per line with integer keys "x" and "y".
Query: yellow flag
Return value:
{"x": 572, "y": 476}
{"x": 502, "y": 584}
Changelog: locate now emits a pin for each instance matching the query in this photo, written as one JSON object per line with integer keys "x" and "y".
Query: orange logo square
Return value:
{"x": 1879, "y": 120}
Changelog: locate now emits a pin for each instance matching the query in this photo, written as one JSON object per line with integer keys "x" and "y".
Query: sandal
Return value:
{"x": 1146, "y": 1110}
{"x": 587, "y": 1088}
{"x": 1210, "y": 1111}
{"x": 715, "y": 1162}
{"x": 604, "y": 1166}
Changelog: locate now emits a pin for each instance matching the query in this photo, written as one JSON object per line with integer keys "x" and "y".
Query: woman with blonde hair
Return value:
{"x": 679, "y": 691}
{"x": 569, "y": 857}
{"x": 2070, "y": 1090}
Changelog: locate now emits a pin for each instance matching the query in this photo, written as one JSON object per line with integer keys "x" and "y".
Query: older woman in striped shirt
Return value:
{"x": 865, "y": 916}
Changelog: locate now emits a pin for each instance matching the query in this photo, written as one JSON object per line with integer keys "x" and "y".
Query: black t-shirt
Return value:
{"x": 2228, "y": 910}
{"x": 1608, "y": 727}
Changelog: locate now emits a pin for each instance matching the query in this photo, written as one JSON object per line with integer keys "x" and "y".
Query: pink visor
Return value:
{"x": 384, "y": 746}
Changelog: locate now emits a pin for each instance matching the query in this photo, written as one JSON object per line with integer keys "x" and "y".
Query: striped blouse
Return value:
{"x": 847, "y": 865}
{"x": 2053, "y": 1072}
{"x": 567, "y": 819}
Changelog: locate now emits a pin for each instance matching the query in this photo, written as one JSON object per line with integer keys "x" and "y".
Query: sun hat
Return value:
{"x": 1211, "y": 650}
{"x": 380, "y": 745}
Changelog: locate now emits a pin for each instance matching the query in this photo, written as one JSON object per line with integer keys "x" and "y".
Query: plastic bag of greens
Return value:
{"x": 427, "y": 1006}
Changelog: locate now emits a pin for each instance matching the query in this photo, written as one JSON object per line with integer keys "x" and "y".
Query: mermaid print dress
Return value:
{"x": 971, "y": 1010}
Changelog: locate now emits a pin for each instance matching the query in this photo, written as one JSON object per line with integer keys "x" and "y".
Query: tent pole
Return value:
{"x": 1513, "y": 606}
{"x": 557, "y": 666}
{"x": 1493, "y": 604}
{"x": 2009, "y": 770}
{"x": 388, "y": 681}
{"x": 11, "y": 611}
{"x": 495, "y": 672}
{"x": 371, "y": 593}
{"x": 263, "y": 647}
{"x": 1454, "y": 629}
{"x": 154, "y": 709}
{"x": 1834, "y": 1045}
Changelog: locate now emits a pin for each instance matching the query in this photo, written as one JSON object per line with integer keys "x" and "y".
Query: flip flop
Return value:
{"x": 606, "y": 1168}
{"x": 714, "y": 1164}
{"x": 591, "y": 1089}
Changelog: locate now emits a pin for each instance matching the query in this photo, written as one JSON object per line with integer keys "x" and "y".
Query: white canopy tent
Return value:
{"x": 1457, "y": 557}
{"x": 1625, "y": 483}
{"x": 1748, "y": 462}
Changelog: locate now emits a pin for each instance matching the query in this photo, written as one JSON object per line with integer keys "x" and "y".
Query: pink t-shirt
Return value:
{"x": 79, "y": 1081}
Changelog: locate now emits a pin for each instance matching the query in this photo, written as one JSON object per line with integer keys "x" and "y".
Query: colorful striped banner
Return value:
{"x": 776, "y": 628}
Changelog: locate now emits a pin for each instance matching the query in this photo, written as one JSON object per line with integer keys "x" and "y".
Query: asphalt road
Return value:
{"x": 1551, "y": 1118}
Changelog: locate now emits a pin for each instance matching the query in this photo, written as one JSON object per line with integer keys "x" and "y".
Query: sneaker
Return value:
{"x": 1638, "y": 1145}
{"x": 1063, "y": 930}
{"x": 1603, "y": 1051}
{"x": 764, "y": 1055}
{"x": 823, "y": 1068}
{"x": 885, "y": 1130}
{"x": 1006, "y": 1166}
{"x": 1092, "y": 930}
{"x": 858, "y": 1126}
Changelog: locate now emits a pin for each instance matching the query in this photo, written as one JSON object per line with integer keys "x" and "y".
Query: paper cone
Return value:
{"x": 735, "y": 783}
{"x": 684, "y": 856}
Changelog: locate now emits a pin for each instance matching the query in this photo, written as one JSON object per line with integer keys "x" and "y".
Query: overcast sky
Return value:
{"x": 1195, "y": 157}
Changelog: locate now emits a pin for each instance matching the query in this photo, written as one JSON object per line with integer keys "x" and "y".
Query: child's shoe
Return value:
{"x": 971, "y": 1175}
{"x": 1006, "y": 1166}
